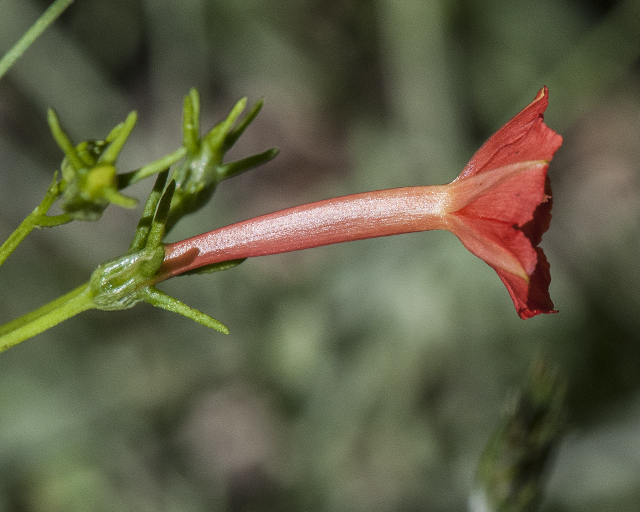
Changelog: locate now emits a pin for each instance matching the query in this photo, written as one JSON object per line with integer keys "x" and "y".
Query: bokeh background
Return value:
{"x": 359, "y": 377}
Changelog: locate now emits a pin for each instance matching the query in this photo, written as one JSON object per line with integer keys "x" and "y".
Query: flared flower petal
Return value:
{"x": 504, "y": 222}
{"x": 525, "y": 137}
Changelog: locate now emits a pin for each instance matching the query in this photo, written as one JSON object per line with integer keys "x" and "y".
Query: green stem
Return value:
{"x": 32, "y": 34}
{"x": 129, "y": 178}
{"x": 36, "y": 219}
{"x": 47, "y": 316}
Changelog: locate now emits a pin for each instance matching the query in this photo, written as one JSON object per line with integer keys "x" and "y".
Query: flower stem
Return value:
{"x": 48, "y": 17}
{"x": 47, "y": 316}
{"x": 38, "y": 218}
{"x": 129, "y": 178}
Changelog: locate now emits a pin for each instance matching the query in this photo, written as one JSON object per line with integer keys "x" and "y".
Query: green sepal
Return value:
{"x": 122, "y": 282}
{"x": 160, "y": 299}
{"x": 235, "y": 133}
{"x": 231, "y": 169}
{"x": 148, "y": 213}
{"x": 191, "y": 121}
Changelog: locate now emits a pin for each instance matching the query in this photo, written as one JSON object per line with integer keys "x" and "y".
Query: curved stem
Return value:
{"x": 47, "y": 316}
{"x": 36, "y": 219}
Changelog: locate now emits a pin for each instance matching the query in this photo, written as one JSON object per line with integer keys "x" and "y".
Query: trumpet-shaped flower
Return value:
{"x": 499, "y": 207}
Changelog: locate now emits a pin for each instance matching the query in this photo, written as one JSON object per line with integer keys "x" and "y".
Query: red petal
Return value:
{"x": 525, "y": 137}
{"x": 512, "y": 200}
{"x": 498, "y": 244}
{"x": 504, "y": 223}
{"x": 511, "y": 248}
{"x": 530, "y": 297}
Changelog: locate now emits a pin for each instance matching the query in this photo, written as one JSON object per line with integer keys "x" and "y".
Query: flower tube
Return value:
{"x": 499, "y": 207}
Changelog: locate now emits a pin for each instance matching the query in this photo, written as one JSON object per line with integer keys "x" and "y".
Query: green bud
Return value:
{"x": 89, "y": 177}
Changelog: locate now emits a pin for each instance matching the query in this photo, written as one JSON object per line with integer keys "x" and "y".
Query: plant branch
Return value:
{"x": 46, "y": 317}
{"x": 48, "y": 17}
{"x": 38, "y": 218}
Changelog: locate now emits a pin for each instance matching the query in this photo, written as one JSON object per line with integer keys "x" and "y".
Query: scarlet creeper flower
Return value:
{"x": 499, "y": 207}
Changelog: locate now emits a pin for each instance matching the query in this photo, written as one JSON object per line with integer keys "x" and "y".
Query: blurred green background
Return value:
{"x": 358, "y": 377}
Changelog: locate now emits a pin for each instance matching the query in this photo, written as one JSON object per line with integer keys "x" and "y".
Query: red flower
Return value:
{"x": 499, "y": 207}
{"x": 504, "y": 224}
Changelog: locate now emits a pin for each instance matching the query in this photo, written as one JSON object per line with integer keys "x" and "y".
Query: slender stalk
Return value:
{"x": 36, "y": 219}
{"x": 129, "y": 178}
{"x": 48, "y": 17}
{"x": 47, "y": 316}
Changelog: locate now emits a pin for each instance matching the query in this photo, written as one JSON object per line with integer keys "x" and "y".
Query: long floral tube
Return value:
{"x": 499, "y": 207}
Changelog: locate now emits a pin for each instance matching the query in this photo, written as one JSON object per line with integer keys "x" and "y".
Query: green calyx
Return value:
{"x": 125, "y": 281}
{"x": 203, "y": 169}
{"x": 121, "y": 283}
{"x": 89, "y": 177}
